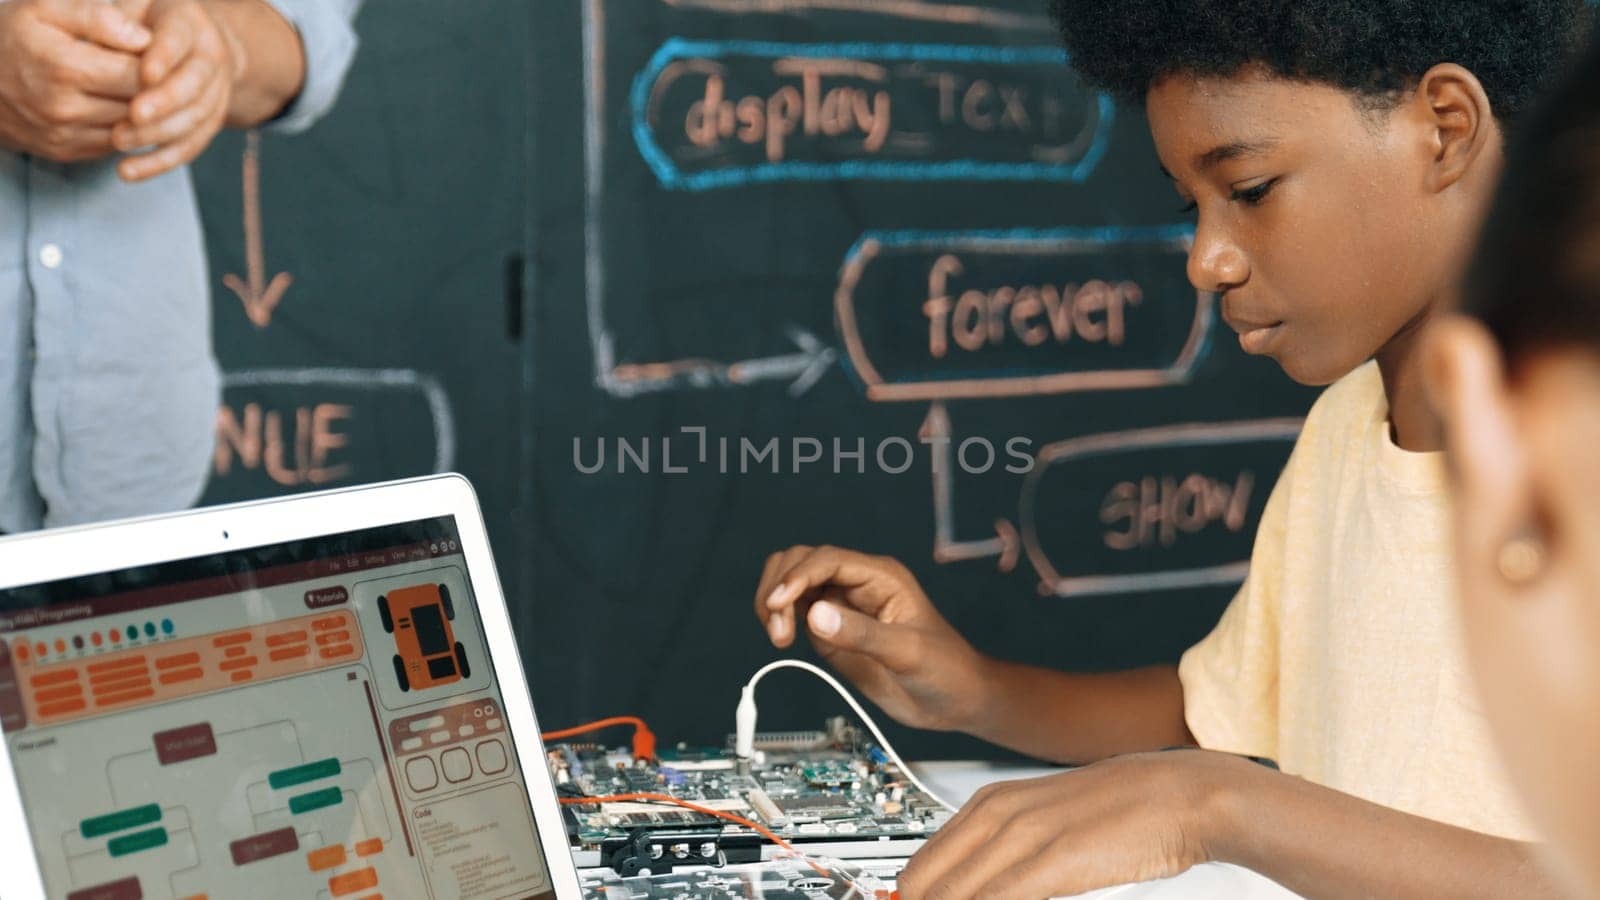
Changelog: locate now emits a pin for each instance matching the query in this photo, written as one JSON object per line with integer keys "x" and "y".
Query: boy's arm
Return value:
{"x": 870, "y": 619}
{"x": 1153, "y": 815}
{"x": 1322, "y": 843}
{"x": 1070, "y": 717}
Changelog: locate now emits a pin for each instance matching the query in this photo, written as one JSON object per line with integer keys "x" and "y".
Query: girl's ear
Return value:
{"x": 1466, "y": 383}
{"x": 1459, "y": 123}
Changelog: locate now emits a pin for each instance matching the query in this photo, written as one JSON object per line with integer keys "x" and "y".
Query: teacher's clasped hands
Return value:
{"x": 82, "y": 79}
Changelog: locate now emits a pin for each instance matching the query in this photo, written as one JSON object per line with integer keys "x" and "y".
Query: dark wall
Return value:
{"x": 734, "y": 215}
{"x": 391, "y": 351}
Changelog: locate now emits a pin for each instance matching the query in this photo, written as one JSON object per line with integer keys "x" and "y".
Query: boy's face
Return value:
{"x": 1315, "y": 222}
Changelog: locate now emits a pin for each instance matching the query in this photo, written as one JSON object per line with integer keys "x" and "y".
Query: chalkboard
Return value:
{"x": 678, "y": 283}
{"x": 360, "y": 270}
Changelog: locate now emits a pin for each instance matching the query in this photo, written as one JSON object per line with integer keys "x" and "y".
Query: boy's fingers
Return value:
{"x": 834, "y": 625}
{"x": 779, "y": 619}
{"x": 956, "y": 841}
{"x": 799, "y": 574}
{"x": 824, "y": 566}
{"x": 778, "y": 631}
{"x": 97, "y": 22}
{"x": 763, "y": 588}
{"x": 780, "y": 590}
{"x": 828, "y": 620}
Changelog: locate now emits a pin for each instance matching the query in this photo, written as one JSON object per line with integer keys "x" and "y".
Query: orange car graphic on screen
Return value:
{"x": 427, "y": 653}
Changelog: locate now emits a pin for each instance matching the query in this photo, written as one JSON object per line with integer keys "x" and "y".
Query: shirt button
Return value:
{"x": 50, "y": 256}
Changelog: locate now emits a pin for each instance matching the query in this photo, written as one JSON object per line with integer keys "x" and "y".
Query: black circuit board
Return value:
{"x": 806, "y": 787}
{"x": 776, "y": 880}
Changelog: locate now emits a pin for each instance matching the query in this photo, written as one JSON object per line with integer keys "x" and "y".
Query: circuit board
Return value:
{"x": 776, "y": 880}
{"x": 830, "y": 787}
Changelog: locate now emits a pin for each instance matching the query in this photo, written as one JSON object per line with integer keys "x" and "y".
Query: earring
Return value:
{"x": 1521, "y": 558}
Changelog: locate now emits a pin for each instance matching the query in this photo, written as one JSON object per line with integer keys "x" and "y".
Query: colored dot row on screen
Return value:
{"x": 96, "y": 638}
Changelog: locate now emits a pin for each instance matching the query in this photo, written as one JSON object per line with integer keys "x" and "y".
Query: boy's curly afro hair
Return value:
{"x": 1376, "y": 49}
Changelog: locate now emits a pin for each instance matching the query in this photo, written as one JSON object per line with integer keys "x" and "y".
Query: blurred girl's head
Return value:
{"x": 1516, "y": 380}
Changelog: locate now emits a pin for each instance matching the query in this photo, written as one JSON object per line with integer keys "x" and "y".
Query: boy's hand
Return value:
{"x": 1129, "y": 818}
{"x": 188, "y": 75}
{"x": 869, "y": 619}
{"x": 67, "y": 71}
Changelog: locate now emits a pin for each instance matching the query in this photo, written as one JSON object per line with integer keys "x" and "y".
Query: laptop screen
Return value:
{"x": 312, "y": 719}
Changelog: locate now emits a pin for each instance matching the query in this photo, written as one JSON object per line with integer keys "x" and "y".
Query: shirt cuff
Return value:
{"x": 329, "y": 43}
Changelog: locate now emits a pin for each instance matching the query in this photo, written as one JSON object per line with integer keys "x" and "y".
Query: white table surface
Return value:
{"x": 958, "y": 781}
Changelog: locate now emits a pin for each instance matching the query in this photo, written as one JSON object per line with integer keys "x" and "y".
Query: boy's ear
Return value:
{"x": 1459, "y": 122}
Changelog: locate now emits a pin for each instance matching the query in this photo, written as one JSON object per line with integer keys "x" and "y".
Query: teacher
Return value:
{"x": 108, "y": 385}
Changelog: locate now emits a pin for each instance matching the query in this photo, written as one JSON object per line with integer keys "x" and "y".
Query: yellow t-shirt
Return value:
{"x": 1341, "y": 656}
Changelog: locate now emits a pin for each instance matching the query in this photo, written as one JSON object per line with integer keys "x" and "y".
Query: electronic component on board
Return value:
{"x": 766, "y": 809}
{"x": 827, "y": 788}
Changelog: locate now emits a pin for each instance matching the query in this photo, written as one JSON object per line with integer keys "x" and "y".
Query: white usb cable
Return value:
{"x": 745, "y": 720}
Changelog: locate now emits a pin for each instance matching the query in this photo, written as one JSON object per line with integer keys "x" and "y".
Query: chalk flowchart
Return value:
{"x": 717, "y": 115}
{"x": 937, "y": 316}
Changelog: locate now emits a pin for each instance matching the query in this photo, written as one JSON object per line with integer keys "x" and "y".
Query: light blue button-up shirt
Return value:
{"x": 108, "y": 385}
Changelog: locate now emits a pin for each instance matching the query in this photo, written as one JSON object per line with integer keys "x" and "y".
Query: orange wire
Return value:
{"x": 667, "y": 798}
{"x": 596, "y": 725}
{"x": 644, "y": 740}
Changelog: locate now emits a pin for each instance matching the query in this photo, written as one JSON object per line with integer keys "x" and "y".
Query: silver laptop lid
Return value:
{"x": 337, "y": 714}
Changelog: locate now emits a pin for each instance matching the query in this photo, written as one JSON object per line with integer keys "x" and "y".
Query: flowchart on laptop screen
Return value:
{"x": 335, "y": 735}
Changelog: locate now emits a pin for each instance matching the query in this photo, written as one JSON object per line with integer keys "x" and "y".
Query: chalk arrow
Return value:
{"x": 260, "y": 297}
{"x": 1005, "y": 543}
{"x": 806, "y": 366}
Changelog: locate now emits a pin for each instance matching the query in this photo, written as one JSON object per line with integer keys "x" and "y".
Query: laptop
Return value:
{"x": 314, "y": 697}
